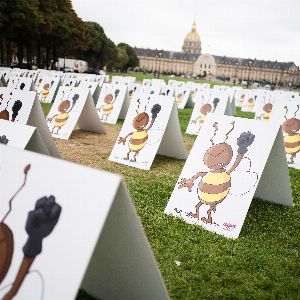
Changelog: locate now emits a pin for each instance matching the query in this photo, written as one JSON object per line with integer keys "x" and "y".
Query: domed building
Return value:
{"x": 172, "y": 61}
{"x": 212, "y": 67}
{"x": 192, "y": 42}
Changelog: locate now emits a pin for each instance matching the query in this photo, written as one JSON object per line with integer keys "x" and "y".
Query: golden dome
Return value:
{"x": 192, "y": 36}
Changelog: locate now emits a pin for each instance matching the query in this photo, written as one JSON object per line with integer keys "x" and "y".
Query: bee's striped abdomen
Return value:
{"x": 138, "y": 140}
{"x": 292, "y": 144}
{"x": 107, "y": 109}
{"x": 214, "y": 187}
{"x": 61, "y": 119}
{"x": 266, "y": 116}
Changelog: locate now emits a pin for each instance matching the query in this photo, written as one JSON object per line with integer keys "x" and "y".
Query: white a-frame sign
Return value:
{"x": 22, "y": 137}
{"x": 63, "y": 233}
{"x": 232, "y": 160}
{"x": 112, "y": 103}
{"x": 210, "y": 102}
{"x": 21, "y": 83}
{"x": 73, "y": 106}
{"x": 151, "y": 127}
{"x": 24, "y": 108}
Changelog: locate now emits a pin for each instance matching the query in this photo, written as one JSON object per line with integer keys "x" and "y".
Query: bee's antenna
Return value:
{"x": 296, "y": 111}
{"x": 8, "y": 100}
{"x": 139, "y": 103}
{"x": 286, "y": 112}
{"x": 26, "y": 170}
{"x": 147, "y": 104}
{"x": 69, "y": 93}
{"x": 216, "y": 129}
{"x": 227, "y": 134}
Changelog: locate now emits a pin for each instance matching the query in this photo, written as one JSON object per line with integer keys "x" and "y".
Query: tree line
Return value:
{"x": 40, "y": 31}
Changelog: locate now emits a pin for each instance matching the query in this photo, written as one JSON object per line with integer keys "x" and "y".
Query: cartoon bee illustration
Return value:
{"x": 215, "y": 184}
{"x": 139, "y": 137}
{"x": 64, "y": 110}
{"x": 131, "y": 92}
{"x": 179, "y": 97}
{"x": 5, "y": 115}
{"x": 38, "y": 82}
{"x": 291, "y": 128}
{"x": 46, "y": 91}
{"x": 108, "y": 106}
{"x": 250, "y": 104}
{"x": 205, "y": 109}
{"x": 40, "y": 223}
{"x": 193, "y": 93}
{"x": 242, "y": 99}
{"x": 267, "y": 109}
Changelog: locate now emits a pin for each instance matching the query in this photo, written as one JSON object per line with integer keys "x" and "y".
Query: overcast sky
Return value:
{"x": 262, "y": 29}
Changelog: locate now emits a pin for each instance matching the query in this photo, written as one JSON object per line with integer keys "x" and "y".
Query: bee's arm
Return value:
{"x": 236, "y": 163}
{"x": 195, "y": 121}
{"x": 123, "y": 139}
{"x": 22, "y": 273}
{"x": 244, "y": 141}
{"x": 151, "y": 124}
{"x": 71, "y": 108}
{"x": 99, "y": 108}
{"x": 259, "y": 117}
{"x": 199, "y": 174}
{"x": 50, "y": 119}
{"x": 189, "y": 183}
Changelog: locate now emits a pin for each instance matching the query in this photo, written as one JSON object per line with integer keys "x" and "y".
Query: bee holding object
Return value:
{"x": 46, "y": 91}
{"x": 139, "y": 137}
{"x": 215, "y": 184}
{"x": 265, "y": 116}
{"x": 205, "y": 109}
{"x": 291, "y": 128}
{"x": 250, "y": 104}
{"x": 64, "y": 110}
{"x": 5, "y": 115}
{"x": 40, "y": 223}
{"x": 108, "y": 105}
{"x": 179, "y": 98}
{"x": 242, "y": 99}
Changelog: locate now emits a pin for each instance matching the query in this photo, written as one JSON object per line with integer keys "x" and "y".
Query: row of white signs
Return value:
{"x": 75, "y": 106}
{"x": 232, "y": 161}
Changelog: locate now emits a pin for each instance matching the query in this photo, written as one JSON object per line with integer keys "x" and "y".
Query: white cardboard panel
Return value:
{"x": 219, "y": 200}
{"x": 72, "y": 106}
{"x": 110, "y": 103}
{"x": 47, "y": 89}
{"x": 141, "y": 134}
{"x": 97, "y": 209}
{"x": 22, "y": 137}
{"x": 287, "y": 114}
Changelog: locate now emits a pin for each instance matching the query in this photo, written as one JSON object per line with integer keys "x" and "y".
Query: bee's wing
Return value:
{"x": 243, "y": 179}
{"x": 154, "y": 136}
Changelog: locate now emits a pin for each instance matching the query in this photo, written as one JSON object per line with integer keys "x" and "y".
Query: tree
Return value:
{"x": 121, "y": 59}
{"x": 100, "y": 49}
{"x": 133, "y": 60}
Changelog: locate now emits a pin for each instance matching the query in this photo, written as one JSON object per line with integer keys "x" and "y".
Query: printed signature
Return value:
{"x": 229, "y": 226}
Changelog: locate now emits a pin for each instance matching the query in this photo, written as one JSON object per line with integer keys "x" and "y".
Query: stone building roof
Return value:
{"x": 263, "y": 64}
{"x": 192, "y": 57}
{"x": 167, "y": 54}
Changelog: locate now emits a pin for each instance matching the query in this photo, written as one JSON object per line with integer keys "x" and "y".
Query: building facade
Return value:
{"x": 191, "y": 62}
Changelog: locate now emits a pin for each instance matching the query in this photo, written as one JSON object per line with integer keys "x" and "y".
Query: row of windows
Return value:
{"x": 208, "y": 66}
{"x": 191, "y": 44}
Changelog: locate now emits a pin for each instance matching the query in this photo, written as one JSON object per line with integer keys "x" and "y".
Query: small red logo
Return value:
{"x": 229, "y": 226}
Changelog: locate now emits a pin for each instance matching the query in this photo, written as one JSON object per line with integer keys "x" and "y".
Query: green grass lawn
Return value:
{"x": 140, "y": 76}
{"x": 263, "y": 263}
